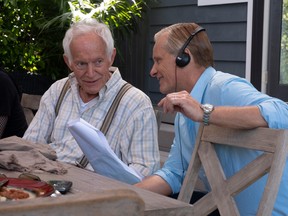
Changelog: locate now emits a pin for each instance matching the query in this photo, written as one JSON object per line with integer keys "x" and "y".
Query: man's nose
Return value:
{"x": 90, "y": 68}
{"x": 153, "y": 71}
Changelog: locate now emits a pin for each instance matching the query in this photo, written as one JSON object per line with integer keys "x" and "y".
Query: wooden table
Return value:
{"x": 85, "y": 181}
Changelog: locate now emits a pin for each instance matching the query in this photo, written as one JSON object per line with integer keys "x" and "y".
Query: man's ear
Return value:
{"x": 66, "y": 60}
{"x": 113, "y": 55}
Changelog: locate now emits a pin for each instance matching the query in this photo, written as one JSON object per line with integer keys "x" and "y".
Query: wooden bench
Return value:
{"x": 30, "y": 104}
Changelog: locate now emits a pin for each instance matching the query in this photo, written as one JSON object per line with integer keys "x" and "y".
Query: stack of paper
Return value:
{"x": 99, "y": 154}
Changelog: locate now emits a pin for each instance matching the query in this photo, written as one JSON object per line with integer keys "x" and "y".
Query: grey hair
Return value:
{"x": 172, "y": 45}
{"x": 86, "y": 26}
{"x": 200, "y": 47}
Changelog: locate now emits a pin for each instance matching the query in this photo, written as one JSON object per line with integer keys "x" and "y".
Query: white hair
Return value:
{"x": 86, "y": 26}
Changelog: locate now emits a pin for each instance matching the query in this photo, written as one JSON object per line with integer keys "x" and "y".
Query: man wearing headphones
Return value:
{"x": 183, "y": 64}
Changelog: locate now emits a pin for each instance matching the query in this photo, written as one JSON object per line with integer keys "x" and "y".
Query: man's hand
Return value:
{"x": 184, "y": 103}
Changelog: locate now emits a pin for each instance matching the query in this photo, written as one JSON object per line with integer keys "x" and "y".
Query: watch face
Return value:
{"x": 207, "y": 108}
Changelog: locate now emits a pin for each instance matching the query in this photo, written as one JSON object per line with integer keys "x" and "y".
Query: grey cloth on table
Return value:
{"x": 21, "y": 155}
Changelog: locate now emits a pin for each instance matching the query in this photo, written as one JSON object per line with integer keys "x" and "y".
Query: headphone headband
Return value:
{"x": 183, "y": 58}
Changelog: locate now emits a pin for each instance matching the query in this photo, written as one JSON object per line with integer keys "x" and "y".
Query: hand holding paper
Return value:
{"x": 104, "y": 161}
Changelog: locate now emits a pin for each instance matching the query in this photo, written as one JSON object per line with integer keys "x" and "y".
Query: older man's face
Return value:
{"x": 90, "y": 64}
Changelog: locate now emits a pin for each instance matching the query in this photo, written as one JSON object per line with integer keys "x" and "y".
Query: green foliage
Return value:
{"x": 19, "y": 47}
{"x": 31, "y": 31}
{"x": 120, "y": 15}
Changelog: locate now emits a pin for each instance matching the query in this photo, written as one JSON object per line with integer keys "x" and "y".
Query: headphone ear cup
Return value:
{"x": 183, "y": 59}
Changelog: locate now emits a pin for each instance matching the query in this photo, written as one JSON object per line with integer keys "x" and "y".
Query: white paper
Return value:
{"x": 95, "y": 146}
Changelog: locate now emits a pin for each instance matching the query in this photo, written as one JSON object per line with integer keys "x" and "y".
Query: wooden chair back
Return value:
{"x": 158, "y": 115}
{"x": 110, "y": 202}
{"x": 272, "y": 142}
{"x": 30, "y": 104}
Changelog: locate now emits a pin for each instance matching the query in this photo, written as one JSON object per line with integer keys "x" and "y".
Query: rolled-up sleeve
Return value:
{"x": 275, "y": 112}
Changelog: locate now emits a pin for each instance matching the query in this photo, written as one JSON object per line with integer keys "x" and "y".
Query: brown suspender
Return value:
{"x": 61, "y": 96}
{"x": 83, "y": 161}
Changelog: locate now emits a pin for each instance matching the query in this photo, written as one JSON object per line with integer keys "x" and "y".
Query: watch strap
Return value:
{"x": 206, "y": 117}
{"x": 207, "y": 110}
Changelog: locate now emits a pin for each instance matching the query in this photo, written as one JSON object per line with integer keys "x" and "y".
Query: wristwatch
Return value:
{"x": 207, "y": 109}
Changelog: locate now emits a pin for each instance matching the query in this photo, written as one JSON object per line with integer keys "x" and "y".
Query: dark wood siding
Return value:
{"x": 131, "y": 56}
{"x": 225, "y": 25}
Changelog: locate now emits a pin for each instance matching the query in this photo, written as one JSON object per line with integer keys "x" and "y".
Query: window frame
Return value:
{"x": 274, "y": 52}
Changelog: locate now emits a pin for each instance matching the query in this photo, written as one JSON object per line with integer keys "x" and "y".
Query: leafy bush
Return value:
{"x": 31, "y": 31}
{"x": 19, "y": 47}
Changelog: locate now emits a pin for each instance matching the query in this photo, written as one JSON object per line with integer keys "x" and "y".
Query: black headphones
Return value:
{"x": 183, "y": 58}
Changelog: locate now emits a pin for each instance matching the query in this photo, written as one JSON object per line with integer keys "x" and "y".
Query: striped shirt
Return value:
{"x": 132, "y": 134}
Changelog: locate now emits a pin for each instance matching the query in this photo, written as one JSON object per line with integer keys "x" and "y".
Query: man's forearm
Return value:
{"x": 155, "y": 184}
{"x": 237, "y": 117}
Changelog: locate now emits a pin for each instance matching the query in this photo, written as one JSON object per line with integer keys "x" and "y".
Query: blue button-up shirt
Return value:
{"x": 223, "y": 89}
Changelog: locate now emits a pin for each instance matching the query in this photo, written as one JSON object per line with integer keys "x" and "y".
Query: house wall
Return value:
{"x": 226, "y": 26}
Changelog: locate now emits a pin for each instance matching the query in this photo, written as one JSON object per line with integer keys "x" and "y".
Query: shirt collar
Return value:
{"x": 202, "y": 83}
{"x": 111, "y": 83}
{"x": 114, "y": 79}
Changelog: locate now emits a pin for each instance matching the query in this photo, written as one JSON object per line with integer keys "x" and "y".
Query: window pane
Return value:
{"x": 284, "y": 45}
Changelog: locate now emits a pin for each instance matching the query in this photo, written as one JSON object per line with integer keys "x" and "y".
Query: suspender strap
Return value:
{"x": 110, "y": 115}
{"x": 61, "y": 96}
{"x": 108, "y": 119}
